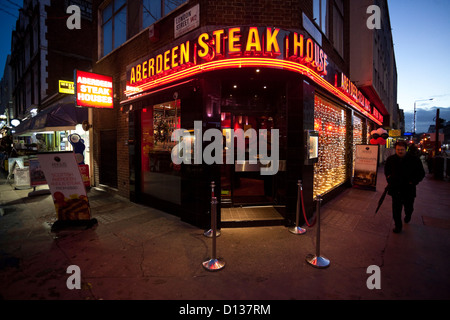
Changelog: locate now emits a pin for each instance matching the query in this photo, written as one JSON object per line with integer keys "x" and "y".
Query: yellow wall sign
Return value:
{"x": 66, "y": 87}
{"x": 395, "y": 133}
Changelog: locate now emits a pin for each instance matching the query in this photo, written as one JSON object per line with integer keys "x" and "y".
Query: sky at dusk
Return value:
{"x": 421, "y": 33}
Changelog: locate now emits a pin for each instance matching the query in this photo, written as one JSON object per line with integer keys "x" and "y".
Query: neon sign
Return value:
{"x": 93, "y": 90}
{"x": 241, "y": 47}
{"x": 236, "y": 42}
{"x": 350, "y": 89}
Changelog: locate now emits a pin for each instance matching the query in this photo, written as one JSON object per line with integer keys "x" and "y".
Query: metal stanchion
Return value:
{"x": 297, "y": 229}
{"x": 317, "y": 260}
{"x": 208, "y": 233}
{"x": 213, "y": 264}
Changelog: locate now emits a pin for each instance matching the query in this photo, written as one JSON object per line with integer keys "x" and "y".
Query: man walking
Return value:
{"x": 403, "y": 172}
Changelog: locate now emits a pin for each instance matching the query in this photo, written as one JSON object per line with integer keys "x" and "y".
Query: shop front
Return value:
{"x": 235, "y": 106}
{"x": 56, "y": 128}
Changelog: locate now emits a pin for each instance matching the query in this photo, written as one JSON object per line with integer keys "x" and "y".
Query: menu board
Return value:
{"x": 366, "y": 164}
{"x": 66, "y": 185}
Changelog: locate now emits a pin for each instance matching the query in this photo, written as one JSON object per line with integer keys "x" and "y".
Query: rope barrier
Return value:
{"x": 303, "y": 207}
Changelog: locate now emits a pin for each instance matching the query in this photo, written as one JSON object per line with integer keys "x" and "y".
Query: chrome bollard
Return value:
{"x": 208, "y": 233}
{"x": 214, "y": 264}
{"x": 297, "y": 229}
{"x": 317, "y": 260}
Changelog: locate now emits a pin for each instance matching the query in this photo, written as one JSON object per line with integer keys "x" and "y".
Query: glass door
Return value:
{"x": 242, "y": 182}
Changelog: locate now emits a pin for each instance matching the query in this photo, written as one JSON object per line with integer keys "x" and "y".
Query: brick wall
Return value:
{"x": 64, "y": 50}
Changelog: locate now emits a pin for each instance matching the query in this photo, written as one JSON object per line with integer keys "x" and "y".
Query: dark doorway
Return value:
{"x": 108, "y": 158}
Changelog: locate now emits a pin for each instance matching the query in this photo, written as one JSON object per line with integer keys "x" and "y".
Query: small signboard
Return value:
{"x": 187, "y": 21}
{"x": 22, "y": 177}
{"x": 66, "y": 185}
{"x": 67, "y": 87}
{"x": 366, "y": 166}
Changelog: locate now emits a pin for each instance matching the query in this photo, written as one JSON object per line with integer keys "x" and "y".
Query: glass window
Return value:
{"x": 330, "y": 122}
{"x": 151, "y": 12}
{"x": 114, "y": 25}
{"x": 320, "y": 15}
{"x": 160, "y": 177}
{"x": 170, "y": 5}
{"x": 338, "y": 31}
{"x": 107, "y": 37}
{"x": 120, "y": 27}
{"x": 154, "y": 10}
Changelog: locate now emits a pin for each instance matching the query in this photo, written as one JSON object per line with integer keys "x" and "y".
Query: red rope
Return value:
{"x": 304, "y": 213}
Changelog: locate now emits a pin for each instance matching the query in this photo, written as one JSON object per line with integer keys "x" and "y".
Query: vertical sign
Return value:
{"x": 66, "y": 185}
{"x": 366, "y": 164}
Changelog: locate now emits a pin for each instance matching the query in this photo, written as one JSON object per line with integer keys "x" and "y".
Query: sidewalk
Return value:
{"x": 137, "y": 252}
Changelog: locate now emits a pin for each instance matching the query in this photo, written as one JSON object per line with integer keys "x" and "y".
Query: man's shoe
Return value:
{"x": 407, "y": 219}
{"x": 397, "y": 230}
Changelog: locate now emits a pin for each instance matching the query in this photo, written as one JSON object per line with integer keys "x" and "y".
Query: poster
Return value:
{"x": 37, "y": 176}
{"x": 66, "y": 185}
{"x": 366, "y": 164}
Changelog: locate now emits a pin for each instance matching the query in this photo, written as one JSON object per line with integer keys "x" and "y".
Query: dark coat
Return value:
{"x": 403, "y": 174}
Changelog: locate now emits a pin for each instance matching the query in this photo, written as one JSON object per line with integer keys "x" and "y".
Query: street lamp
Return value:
{"x": 414, "y": 129}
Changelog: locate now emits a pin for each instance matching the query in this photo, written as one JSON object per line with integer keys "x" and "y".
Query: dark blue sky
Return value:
{"x": 421, "y": 32}
{"x": 9, "y": 12}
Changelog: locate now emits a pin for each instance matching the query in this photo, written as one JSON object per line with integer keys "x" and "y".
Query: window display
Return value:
{"x": 330, "y": 122}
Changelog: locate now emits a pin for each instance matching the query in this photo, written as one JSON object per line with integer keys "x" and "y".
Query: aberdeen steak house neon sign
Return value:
{"x": 235, "y": 47}
{"x": 226, "y": 45}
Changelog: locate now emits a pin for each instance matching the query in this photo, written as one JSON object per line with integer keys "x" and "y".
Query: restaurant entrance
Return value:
{"x": 251, "y": 110}
{"x": 242, "y": 182}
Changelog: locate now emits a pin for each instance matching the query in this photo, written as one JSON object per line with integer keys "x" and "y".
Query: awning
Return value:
{"x": 60, "y": 117}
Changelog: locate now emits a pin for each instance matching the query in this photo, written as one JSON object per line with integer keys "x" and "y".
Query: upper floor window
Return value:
{"x": 338, "y": 26}
{"x": 154, "y": 10}
{"x": 320, "y": 14}
{"x": 114, "y": 25}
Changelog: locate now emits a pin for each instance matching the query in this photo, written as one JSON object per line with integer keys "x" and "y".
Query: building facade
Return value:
{"x": 5, "y": 94}
{"x": 44, "y": 54}
{"x": 372, "y": 59}
{"x": 249, "y": 86}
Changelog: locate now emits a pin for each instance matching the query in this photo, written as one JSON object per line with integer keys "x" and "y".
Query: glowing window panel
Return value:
{"x": 330, "y": 170}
